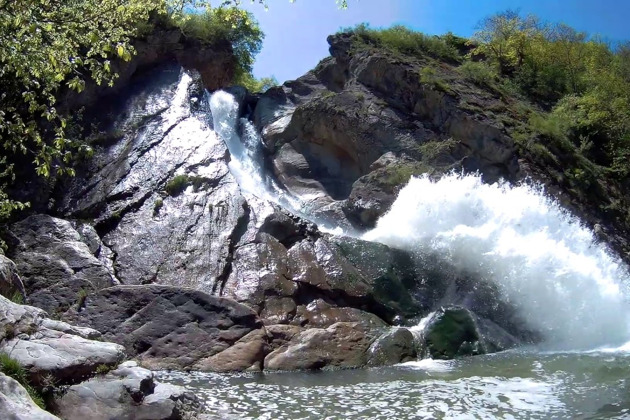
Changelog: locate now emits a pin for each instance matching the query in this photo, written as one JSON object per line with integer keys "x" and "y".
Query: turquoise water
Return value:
{"x": 509, "y": 385}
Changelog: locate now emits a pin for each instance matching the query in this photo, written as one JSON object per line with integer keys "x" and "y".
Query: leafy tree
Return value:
{"x": 506, "y": 38}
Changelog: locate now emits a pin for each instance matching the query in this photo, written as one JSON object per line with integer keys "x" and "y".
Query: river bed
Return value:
{"x": 521, "y": 384}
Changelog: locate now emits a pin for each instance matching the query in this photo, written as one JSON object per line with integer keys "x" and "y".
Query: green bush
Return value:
{"x": 177, "y": 185}
{"x": 406, "y": 41}
{"x": 230, "y": 24}
{"x": 479, "y": 72}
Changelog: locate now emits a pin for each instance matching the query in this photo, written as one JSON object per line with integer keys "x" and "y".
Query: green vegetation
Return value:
{"x": 17, "y": 297}
{"x": 157, "y": 206}
{"x": 402, "y": 40}
{"x": 562, "y": 95}
{"x": 430, "y": 76}
{"x": 81, "y": 296}
{"x": 15, "y": 370}
{"x": 103, "y": 369}
{"x": 176, "y": 185}
{"x": 479, "y": 73}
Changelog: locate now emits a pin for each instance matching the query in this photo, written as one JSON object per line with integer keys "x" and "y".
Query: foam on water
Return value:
{"x": 564, "y": 284}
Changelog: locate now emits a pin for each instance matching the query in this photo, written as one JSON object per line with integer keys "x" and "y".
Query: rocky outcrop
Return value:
{"x": 166, "y": 327}
{"x": 52, "y": 351}
{"x": 16, "y": 404}
{"x": 216, "y": 64}
{"x": 353, "y": 130}
{"x": 126, "y": 393}
{"x": 56, "y": 266}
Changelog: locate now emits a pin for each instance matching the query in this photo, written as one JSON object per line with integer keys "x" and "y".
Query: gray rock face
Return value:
{"x": 127, "y": 393}
{"x": 48, "y": 348}
{"x": 169, "y": 327}
{"x": 16, "y": 404}
{"x": 354, "y": 129}
{"x": 10, "y": 282}
{"x": 55, "y": 265}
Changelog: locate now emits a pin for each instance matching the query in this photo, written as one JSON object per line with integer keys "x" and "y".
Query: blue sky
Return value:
{"x": 296, "y": 32}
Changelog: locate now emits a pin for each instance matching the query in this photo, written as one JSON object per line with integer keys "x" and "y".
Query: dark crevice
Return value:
{"x": 237, "y": 233}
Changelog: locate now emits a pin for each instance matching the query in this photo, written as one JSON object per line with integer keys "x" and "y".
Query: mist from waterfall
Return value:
{"x": 563, "y": 283}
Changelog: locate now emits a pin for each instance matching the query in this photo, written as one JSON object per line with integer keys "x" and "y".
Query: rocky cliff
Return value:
{"x": 156, "y": 247}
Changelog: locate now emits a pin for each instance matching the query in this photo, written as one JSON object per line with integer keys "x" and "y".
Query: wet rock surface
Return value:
{"x": 455, "y": 331}
{"x": 207, "y": 275}
{"x": 55, "y": 265}
{"x": 126, "y": 393}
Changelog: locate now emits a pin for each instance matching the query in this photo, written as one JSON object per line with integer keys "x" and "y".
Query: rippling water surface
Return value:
{"x": 510, "y": 385}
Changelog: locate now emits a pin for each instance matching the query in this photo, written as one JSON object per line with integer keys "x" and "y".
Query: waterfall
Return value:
{"x": 545, "y": 263}
{"x": 247, "y": 162}
{"x": 549, "y": 267}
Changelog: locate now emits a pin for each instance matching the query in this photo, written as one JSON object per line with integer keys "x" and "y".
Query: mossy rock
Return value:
{"x": 453, "y": 333}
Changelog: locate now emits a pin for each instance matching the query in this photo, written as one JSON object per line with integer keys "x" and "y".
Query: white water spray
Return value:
{"x": 563, "y": 283}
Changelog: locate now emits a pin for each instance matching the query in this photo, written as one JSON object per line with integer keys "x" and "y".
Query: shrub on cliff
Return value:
{"x": 408, "y": 42}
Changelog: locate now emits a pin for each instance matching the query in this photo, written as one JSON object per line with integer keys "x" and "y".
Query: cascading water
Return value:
{"x": 564, "y": 284}
{"x": 247, "y": 162}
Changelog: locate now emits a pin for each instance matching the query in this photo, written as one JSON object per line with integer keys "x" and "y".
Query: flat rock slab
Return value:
{"x": 127, "y": 393}
{"x": 50, "y": 347}
{"x": 169, "y": 327}
{"x": 69, "y": 358}
{"x": 16, "y": 404}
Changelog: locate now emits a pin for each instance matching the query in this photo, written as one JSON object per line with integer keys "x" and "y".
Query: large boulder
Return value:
{"x": 395, "y": 346}
{"x": 454, "y": 331}
{"x": 126, "y": 393}
{"x": 16, "y": 403}
{"x": 50, "y": 349}
{"x": 167, "y": 327}
{"x": 342, "y": 345}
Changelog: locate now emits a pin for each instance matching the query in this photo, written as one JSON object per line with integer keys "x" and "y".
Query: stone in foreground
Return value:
{"x": 127, "y": 393}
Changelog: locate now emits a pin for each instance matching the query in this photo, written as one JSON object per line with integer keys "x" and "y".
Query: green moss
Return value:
{"x": 15, "y": 370}
{"x": 177, "y": 185}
